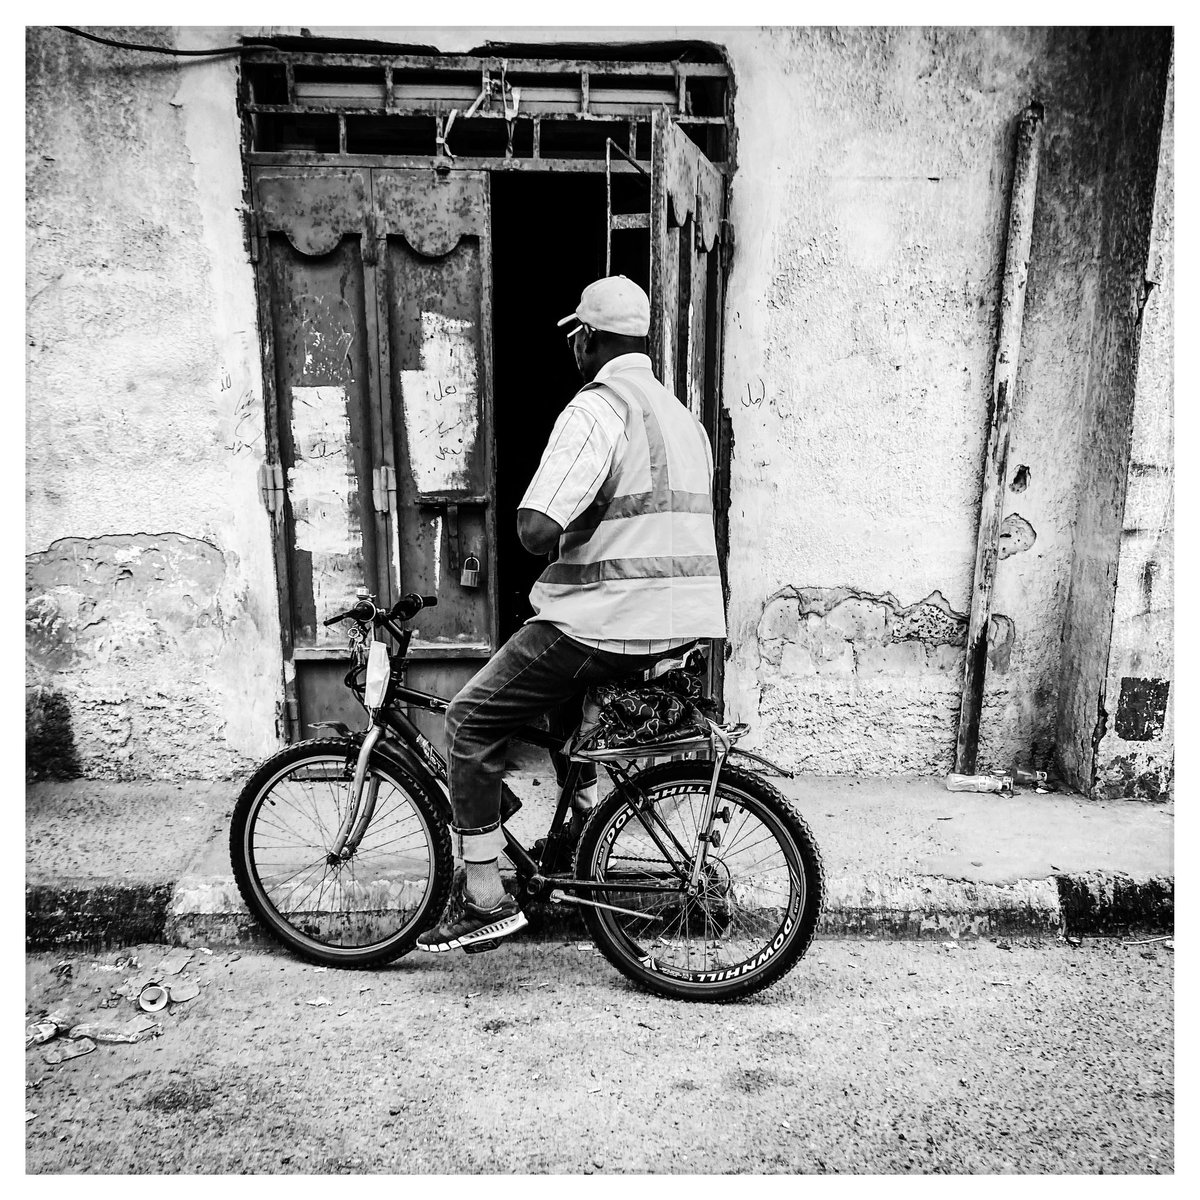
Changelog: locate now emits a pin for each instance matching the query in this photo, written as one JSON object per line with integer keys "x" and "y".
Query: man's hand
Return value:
{"x": 538, "y": 533}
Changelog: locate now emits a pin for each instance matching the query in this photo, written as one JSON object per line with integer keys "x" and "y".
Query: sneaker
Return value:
{"x": 466, "y": 926}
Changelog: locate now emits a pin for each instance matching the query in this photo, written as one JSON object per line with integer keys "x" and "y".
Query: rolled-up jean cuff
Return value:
{"x": 472, "y": 845}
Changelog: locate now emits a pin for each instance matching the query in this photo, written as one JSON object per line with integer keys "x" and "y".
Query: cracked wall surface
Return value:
{"x": 1101, "y": 635}
{"x": 864, "y": 294}
{"x": 1136, "y": 753}
{"x": 869, "y": 204}
{"x": 152, "y": 636}
{"x": 858, "y": 683}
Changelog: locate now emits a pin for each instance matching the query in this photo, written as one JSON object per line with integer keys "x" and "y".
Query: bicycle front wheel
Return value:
{"x": 360, "y": 911}
{"x": 760, "y": 891}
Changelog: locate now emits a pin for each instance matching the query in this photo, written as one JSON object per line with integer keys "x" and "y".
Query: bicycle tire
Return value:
{"x": 739, "y": 789}
{"x": 290, "y": 931}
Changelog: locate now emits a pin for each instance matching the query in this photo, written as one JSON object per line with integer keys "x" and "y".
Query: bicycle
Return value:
{"x": 696, "y": 877}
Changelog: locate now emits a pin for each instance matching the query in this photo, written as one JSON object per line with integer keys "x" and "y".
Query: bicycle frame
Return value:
{"x": 409, "y": 748}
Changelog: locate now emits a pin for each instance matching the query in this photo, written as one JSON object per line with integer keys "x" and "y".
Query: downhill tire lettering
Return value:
{"x": 637, "y": 954}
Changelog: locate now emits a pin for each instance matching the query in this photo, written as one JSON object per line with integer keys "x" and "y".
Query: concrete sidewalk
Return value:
{"x": 119, "y": 863}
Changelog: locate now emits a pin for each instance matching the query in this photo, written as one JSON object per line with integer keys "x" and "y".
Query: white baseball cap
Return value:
{"x": 615, "y": 304}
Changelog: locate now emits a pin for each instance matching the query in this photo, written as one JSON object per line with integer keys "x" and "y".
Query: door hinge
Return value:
{"x": 727, "y": 241}
{"x": 373, "y": 238}
{"x": 293, "y": 718}
{"x": 270, "y": 484}
{"x": 253, "y": 233}
{"x": 383, "y": 490}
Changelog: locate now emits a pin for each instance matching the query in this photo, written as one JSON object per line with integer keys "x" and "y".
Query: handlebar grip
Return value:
{"x": 364, "y": 610}
{"x": 408, "y": 606}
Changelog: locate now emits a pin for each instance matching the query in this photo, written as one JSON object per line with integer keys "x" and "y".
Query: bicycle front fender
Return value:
{"x": 400, "y": 756}
{"x": 407, "y": 760}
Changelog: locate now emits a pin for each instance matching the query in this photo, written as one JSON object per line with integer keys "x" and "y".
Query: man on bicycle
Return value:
{"x": 622, "y": 505}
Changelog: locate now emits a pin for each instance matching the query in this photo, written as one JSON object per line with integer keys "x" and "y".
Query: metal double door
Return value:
{"x": 375, "y": 305}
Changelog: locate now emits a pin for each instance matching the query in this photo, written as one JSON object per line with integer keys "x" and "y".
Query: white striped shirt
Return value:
{"x": 576, "y": 462}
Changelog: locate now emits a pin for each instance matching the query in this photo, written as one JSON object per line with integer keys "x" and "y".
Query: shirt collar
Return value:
{"x": 623, "y": 362}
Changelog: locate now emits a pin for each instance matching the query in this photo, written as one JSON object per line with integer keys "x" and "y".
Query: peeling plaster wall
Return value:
{"x": 1134, "y": 107}
{"x": 153, "y": 634}
{"x": 863, "y": 302}
{"x": 1136, "y": 753}
{"x": 869, "y": 203}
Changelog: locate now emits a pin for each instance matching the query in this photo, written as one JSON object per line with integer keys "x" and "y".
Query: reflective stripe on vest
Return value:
{"x": 660, "y": 499}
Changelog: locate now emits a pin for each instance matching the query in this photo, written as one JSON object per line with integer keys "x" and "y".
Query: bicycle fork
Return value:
{"x": 362, "y": 800}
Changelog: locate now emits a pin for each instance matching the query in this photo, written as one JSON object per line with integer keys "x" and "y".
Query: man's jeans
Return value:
{"x": 538, "y": 670}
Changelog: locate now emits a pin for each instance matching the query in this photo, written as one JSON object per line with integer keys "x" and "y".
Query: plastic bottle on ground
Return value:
{"x": 979, "y": 783}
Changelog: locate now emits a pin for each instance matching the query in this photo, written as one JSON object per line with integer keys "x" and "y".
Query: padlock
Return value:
{"x": 470, "y": 572}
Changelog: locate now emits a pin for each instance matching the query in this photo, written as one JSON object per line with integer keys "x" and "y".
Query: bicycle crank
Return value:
{"x": 560, "y": 897}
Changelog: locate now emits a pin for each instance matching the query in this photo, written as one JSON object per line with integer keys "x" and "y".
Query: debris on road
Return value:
{"x": 62, "y": 1052}
{"x": 181, "y": 993}
{"x": 153, "y": 998}
{"x": 139, "y": 1029}
{"x": 174, "y": 963}
{"x": 47, "y": 1029}
{"x": 319, "y": 1002}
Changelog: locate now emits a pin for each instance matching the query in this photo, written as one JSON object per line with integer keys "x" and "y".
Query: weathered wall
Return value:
{"x": 1135, "y": 756}
{"x": 869, "y": 202}
{"x": 1136, "y": 67}
{"x": 153, "y": 647}
{"x": 863, "y": 305}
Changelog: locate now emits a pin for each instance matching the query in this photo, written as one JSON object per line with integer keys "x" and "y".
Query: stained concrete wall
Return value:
{"x": 863, "y": 302}
{"x": 153, "y": 638}
{"x": 869, "y": 202}
{"x": 1137, "y": 70}
{"x": 1135, "y": 755}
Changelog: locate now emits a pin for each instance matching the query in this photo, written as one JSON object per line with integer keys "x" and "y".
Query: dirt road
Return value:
{"x": 869, "y": 1057}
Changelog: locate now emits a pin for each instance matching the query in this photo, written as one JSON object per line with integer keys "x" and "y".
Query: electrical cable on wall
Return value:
{"x": 103, "y": 41}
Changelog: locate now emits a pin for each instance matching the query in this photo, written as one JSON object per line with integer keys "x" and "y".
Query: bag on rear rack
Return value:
{"x": 669, "y": 707}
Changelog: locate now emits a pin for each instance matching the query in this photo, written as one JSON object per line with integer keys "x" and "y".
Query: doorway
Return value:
{"x": 549, "y": 243}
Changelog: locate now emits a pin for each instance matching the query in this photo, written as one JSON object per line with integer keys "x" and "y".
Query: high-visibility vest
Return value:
{"x": 641, "y": 560}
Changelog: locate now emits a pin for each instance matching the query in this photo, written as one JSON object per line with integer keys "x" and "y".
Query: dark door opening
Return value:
{"x": 548, "y": 238}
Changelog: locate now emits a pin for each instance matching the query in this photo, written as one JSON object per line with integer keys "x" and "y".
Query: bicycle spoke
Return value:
{"x": 364, "y": 900}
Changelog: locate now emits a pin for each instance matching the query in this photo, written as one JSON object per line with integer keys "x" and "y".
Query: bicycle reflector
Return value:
{"x": 379, "y": 671}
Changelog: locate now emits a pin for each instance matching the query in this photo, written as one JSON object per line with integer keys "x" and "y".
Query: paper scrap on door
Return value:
{"x": 326, "y": 510}
{"x": 441, "y": 411}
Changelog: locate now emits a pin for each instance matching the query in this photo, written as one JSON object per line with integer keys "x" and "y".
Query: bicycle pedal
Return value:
{"x": 481, "y": 947}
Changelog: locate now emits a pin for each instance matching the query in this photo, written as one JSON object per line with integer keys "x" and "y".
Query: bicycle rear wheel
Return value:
{"x": 365, "y": 910}
{"x": 760, "y": 893}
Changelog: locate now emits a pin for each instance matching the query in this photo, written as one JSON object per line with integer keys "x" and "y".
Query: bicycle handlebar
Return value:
{"x": 404, "y": 609}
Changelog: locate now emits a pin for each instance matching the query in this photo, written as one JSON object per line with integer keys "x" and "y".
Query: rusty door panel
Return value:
{"x": 322, "y": 398}
{"x": 435, "y": 283}
{"x": 687, "y": 198}
{"x": 434, "y": 265}
{"x": 312, "y": 236}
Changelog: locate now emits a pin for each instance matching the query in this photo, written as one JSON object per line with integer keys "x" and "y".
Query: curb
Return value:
{"x": 95, "y": 914}
{"x": 209, "y": 911}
